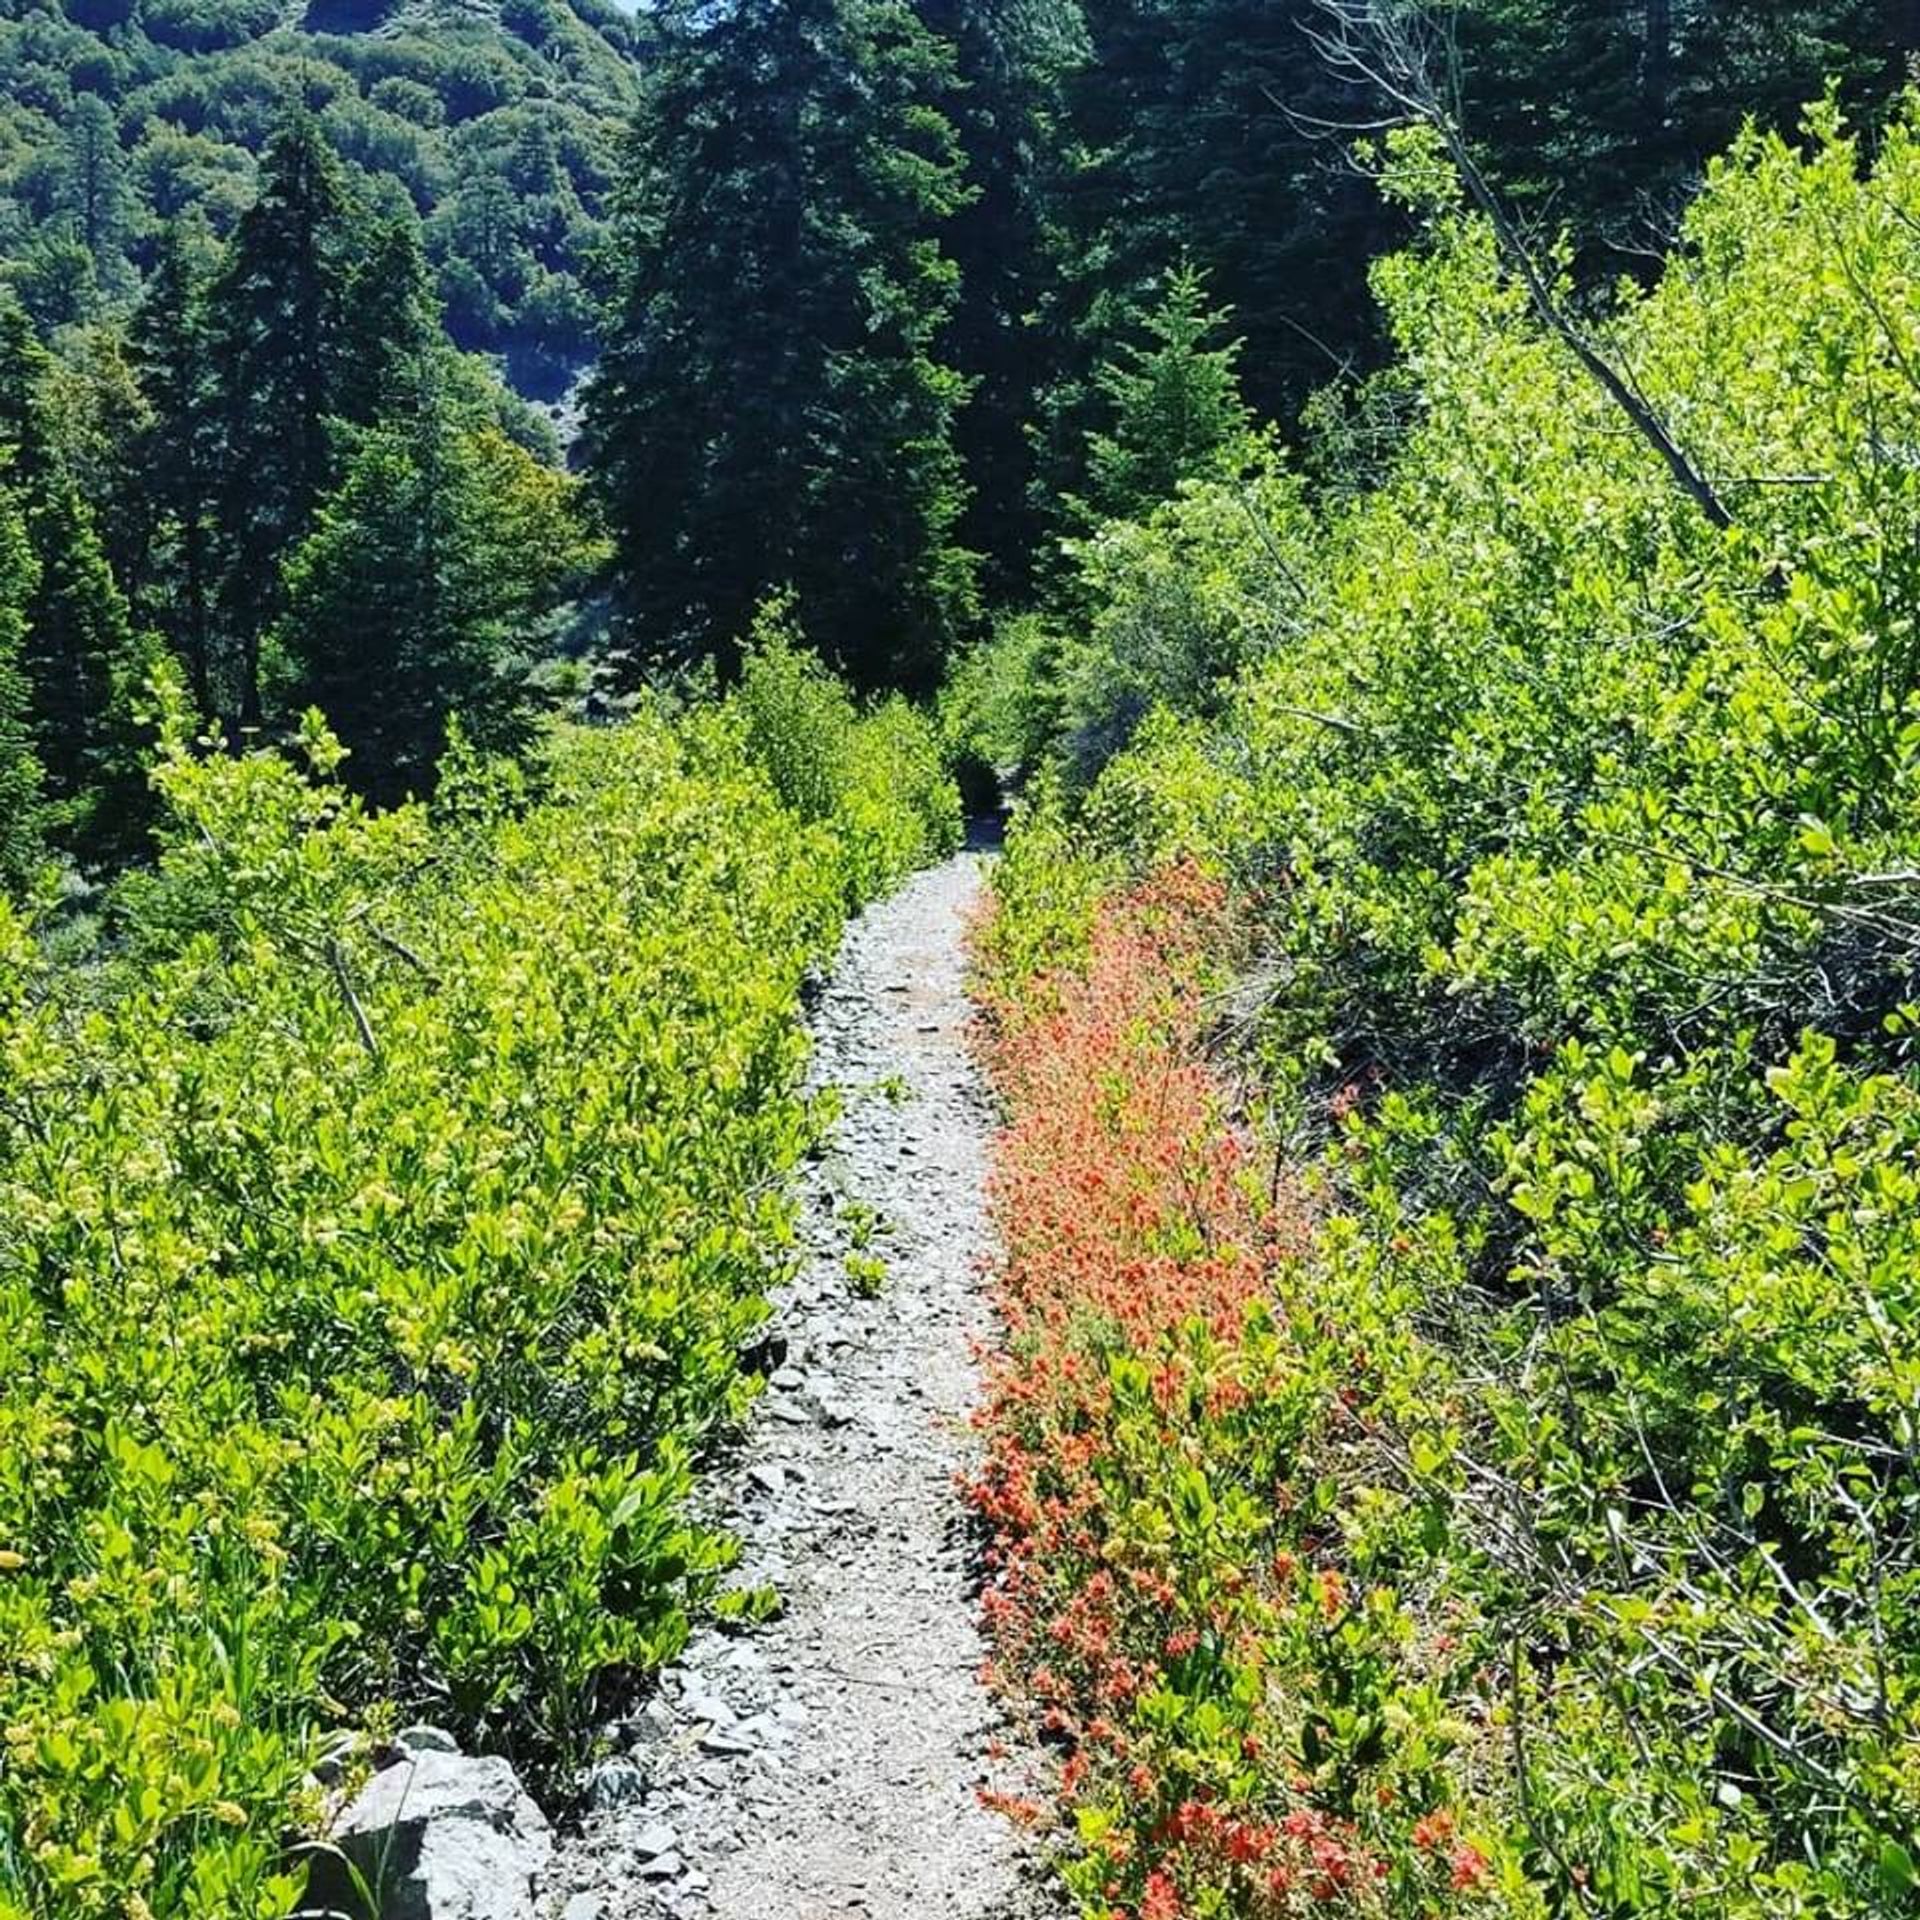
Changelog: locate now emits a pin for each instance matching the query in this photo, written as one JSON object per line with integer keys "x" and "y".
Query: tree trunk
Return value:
{"x": 198, "y": 662}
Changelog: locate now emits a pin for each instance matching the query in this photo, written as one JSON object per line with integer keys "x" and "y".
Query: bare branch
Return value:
{"x": 336, "y": 956}
{"x": 1379, "y": 43}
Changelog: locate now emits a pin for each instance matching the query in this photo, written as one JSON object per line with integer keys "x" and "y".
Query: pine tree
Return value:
{"x": 20, "y": 845}
{"x": 85, "y": 664}
{"x": 1010, "y": 60}
{"x": 93, "y": 187}
{"x": 771, "y": 406}
{"x": 1174, "y": 404}
{"x": 1602, "y": 118}
{"x": 179, "y": 456}
{"x": 389, "y": 322}
{"x": 82, "y": 661}
{"x": 1212, "y": 129}
{"x": 425, "y": 589}
{"x": 278, "y": 302}
{"x": 97, "y": 419}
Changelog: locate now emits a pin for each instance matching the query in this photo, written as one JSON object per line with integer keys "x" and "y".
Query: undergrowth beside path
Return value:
{"x": 1571, "y": 839}
{"x": 1247, "y": 1726}
{"x": 381, "y": 1225}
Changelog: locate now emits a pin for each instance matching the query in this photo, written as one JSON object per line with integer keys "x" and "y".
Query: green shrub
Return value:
{"x": 1169, "y": 609}
{"x": 1580, "y": 837}
{"x": 881, "y": 774}
{"x": 379, "y": 1231}
{"x": 1001, "y": 704}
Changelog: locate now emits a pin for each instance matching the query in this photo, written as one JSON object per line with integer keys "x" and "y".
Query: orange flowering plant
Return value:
{"x": 1188, "y": 1584}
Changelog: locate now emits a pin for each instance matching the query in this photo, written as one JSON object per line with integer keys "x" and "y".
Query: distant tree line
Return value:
{"x": 281, "y": 477}
{"x": 117, "y": 117}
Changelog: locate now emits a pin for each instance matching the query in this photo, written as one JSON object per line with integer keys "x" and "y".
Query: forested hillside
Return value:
{"x": 494, "y": 127}
{"x": 1417, "y": 509}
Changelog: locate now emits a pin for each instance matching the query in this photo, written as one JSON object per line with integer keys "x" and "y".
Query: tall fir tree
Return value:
{"x": 425, "y": 589}
{"x": 180, "y": 455}
{"x": 1212, "y": 128}
{"x": 82, "y": 657}
{"x": 1602, "y": 119}
{"x": 20, "y": 798}
{"x": 389, "y": 321}
{"x": 94, "y": 190}
{"x": 771, "y": 408}
{"x": 278, "y": 301}
{"x": 98, "y": 418}
{"x": 1011, "y": 58}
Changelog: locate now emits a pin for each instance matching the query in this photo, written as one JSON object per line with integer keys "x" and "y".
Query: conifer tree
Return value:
{"x": 20, "y": 846}
{"x": 93, "y": 188}
{"x": 278, "y": 303}
{"x": 1212, "y": 128}
{"x": 389, "y": 321}
{"x": 79, "y": 650}
{"x": 1010, "y": 59}
{"x": 180, "y": 454}
{"x": 97, "y": 419}
{"x": 425, "y": 589}
{"x": 1173, "y": 402}
{"x": 772, "y": 407}
{"x": 1601, "y": 118}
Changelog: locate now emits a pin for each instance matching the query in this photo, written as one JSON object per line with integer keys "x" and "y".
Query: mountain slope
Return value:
{"x": 495, "y": 122}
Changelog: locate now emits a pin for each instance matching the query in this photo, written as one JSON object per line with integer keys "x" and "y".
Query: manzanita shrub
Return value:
{"x": 1571, "y": 837}
{"x": 381, "y": 1223}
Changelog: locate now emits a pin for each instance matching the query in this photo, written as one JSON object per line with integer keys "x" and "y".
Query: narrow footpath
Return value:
{"x": 828, "y": 1765}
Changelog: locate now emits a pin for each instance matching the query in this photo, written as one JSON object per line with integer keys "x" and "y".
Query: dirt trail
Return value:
{"x": 827, "y": 1766}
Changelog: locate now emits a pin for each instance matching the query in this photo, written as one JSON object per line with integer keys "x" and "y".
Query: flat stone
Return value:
{"x": 655, "y": 1839}
{"x": 437, "y": 1836}
{"x": 701, "y": 1704}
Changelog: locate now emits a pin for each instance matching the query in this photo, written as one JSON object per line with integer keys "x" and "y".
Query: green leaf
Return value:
{"x": 1898, "y": 1873}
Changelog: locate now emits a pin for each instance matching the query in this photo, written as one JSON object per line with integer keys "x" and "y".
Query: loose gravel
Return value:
{"x": 828, "y": 1765}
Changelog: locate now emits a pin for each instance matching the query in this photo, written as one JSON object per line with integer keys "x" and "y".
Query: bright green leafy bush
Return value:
{"x": 1580, "y": 839}
{"x": 879, "y": 775}
{"x": 380, "y": 1226}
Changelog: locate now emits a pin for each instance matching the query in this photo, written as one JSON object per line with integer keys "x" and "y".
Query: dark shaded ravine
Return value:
{"x": 827, "y": 1765}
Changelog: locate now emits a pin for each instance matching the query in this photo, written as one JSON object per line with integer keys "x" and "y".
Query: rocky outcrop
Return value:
{"x": 436, "y": 1835}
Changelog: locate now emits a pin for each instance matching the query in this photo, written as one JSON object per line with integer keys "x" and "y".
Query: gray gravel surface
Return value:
{"x": 827, "y": 1765}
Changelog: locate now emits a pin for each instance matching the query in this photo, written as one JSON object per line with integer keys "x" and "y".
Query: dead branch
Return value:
{"x": 1380, "y": 44}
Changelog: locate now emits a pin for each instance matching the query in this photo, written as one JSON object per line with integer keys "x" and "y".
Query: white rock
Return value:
{"x": 437, "y": 1836}
{"x": 425, "y": 1739}
{"x": 655, "y": 1839}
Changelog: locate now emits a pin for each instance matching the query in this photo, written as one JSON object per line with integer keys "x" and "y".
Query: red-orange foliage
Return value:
{"x": 1142, "y": 1425}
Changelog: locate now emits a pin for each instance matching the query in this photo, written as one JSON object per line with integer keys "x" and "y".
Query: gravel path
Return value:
{"x": 827, "y": 1765}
